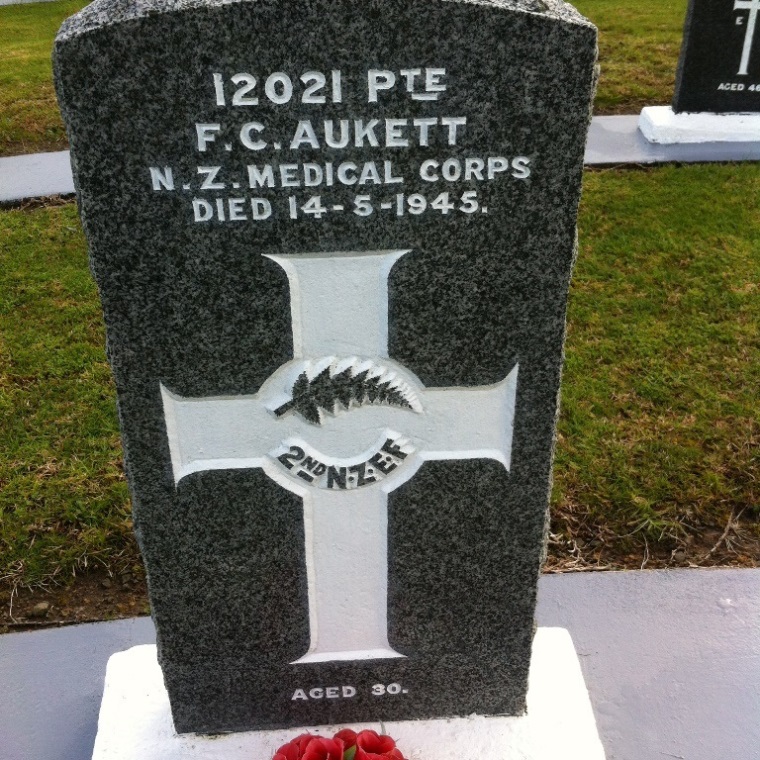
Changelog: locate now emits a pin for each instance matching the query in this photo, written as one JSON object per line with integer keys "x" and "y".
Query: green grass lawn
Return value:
{"x": 29, "y": 117}
{"x": 63, "y": 499}
{"x": 660, "y": 428}
{"x": 639, "y": 44}
{"x": 661, "y": 418}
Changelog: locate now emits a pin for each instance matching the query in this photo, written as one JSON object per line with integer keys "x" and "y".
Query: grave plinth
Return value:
{"x": 135, "y": 719}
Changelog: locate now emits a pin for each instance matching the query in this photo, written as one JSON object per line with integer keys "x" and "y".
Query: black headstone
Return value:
{"x": 333, "y": 241}
{"x": 719, "y": 68}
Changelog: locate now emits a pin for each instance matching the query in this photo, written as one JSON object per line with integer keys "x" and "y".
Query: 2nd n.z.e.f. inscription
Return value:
{"x": 344, "y": 478}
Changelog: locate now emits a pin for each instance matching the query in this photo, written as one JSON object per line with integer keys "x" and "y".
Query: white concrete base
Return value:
{"x": 660, "y": 125}
{"x": 23, "y": 2}
{"x": 135, "y": 721}
{"x": 36, "y": 175}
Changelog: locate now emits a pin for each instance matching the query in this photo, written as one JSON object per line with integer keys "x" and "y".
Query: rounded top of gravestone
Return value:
{"x": 102, "y": 13}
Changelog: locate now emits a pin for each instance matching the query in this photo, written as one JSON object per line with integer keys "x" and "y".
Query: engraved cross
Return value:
{"x": 344, "y": 459}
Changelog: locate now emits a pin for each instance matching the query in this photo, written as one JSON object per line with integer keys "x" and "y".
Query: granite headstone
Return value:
{"x": 719, "y": 67}
{"x": 333, "y": 242}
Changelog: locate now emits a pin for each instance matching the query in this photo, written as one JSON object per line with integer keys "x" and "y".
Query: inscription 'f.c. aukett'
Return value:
{"x": 363, "y": 426}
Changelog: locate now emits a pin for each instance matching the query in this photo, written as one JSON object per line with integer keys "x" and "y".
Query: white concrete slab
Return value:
{"x": 671, "y": 658}
{"x": 617, "y": 140}
{"x": 135, "y": 719}
{"x": 659, "y": 124}
{"x": 35, "y": 176}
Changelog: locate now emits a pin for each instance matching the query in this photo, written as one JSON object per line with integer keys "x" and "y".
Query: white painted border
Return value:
{"x": 659, "y": 124}
{"x": 135, "y": 721}
{"x": 24, "y": 2}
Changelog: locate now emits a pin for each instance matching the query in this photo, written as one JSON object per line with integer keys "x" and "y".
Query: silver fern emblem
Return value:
{"x": 332, "y": 390}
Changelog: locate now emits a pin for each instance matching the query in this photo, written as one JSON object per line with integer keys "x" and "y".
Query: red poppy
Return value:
{"x": 371, "y": 741}
{"x": 347, "y": 736}
{"x": 295, "y": 748}
{"x": 323, "y": 749}
{"x": 345, "y": 745}
{"x": 391, "y": 754}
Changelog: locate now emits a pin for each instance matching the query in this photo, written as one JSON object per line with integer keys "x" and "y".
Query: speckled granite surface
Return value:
{"x": 195, "y": 306}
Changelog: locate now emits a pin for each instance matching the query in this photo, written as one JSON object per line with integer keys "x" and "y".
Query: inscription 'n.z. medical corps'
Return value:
{"x": 342, "y": 425}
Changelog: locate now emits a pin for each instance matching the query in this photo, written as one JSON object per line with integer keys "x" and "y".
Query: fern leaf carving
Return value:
{"x": 328, "y": 392}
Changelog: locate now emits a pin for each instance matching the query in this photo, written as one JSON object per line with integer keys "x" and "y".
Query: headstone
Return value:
{"x": 717, "y": 94}
{"x": 333, "y": 242}
{"x": 719, "y": 68}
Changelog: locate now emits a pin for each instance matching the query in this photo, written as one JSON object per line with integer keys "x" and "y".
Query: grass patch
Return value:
{"x": 29, "y": 117}
{"x": 660, "y": 424}
{"x": 639, "y": 44}
{"x": 63, "y": 499}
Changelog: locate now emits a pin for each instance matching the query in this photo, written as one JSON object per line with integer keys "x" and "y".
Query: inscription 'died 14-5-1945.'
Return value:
{"x": 243, "y": 90}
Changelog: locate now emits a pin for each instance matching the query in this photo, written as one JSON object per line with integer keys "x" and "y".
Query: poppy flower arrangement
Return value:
{"x": 345, "y": 745}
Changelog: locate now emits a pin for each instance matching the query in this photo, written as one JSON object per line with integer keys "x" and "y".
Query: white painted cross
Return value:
{"x": 344, "y": 462}
{"x": 753, "y": 6}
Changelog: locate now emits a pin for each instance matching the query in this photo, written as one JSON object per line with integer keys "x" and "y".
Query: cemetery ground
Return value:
{"x": 656, "y": 462}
